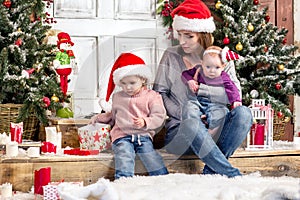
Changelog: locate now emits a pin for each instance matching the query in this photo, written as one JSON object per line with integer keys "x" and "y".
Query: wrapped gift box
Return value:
{"x": 50, "y": 190}
{"x": 95, "y": 137}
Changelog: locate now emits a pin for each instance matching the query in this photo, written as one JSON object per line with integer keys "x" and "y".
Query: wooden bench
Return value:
{"x": 19, "y": 171}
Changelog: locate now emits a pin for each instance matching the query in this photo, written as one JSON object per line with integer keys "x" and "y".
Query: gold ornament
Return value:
{"x": 54, "y": 98}
{"x": 287, "y": 119}
{"x": 239, "y": 46}
{"x": 218, "y": 5}
{"x": 280, "y": 67}
{"x": 250, "y": 27}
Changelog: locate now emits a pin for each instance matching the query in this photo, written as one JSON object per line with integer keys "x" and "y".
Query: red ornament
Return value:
{"x": 267, "y": 18}
{"x": 279, "y": 114}
{"x": 255, "y": 2}
{"x": 47, "y": 101}
{"x": 19, "y": 42}
{"x": 7, "y": 3}
{"x": 284, "y": 41}
{"x": 226, "y": 41}
{"x": 266, "y": 49}
{"x": 277, "y": 86}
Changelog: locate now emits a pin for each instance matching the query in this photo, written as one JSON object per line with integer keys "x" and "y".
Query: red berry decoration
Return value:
{"x": 267, "y": 18}
{"x": 255, "y": 2}
{"x": 277, "y": 86}
{"x": 47, "y": 101}
{"x": 226, "y": 41}
{"x": 279, "y": 114}
{"x": 19, "y": 42}
{"x": 284, "y": 41}
{"x": 7, "y": 3}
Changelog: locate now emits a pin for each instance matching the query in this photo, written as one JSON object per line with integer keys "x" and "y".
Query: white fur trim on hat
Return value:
{"x": 131, "y": 70}
{"x": 195, "y": 25}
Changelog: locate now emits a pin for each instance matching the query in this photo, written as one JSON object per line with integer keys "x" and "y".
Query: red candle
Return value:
{"x": 259, "y": 134}
{"x": 41, "y": 178}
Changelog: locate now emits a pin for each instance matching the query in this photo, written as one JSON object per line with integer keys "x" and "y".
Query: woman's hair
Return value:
{"x": 205, "y": 40}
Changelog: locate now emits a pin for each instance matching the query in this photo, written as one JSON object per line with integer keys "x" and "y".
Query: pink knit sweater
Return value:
{"x": 147, "y": 104}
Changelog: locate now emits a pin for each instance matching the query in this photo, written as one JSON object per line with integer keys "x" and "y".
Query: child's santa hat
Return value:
{"x": 127, "y": 64}
{"x": 193, "y": 15}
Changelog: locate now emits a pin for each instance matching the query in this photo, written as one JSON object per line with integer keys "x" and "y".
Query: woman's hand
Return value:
{"x": 139, "y": 122}
{"x": 193, "y": 85}
{"x": 236, "y": 104}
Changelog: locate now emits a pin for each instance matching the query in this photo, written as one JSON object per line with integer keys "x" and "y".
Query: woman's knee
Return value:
{"x": 243, "y": 114}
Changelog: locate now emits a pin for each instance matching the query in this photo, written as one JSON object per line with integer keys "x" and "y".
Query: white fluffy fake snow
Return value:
{"x": 184, "y": 186}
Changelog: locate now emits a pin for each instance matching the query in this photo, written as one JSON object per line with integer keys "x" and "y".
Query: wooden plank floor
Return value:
{"x": 20, "y": 170}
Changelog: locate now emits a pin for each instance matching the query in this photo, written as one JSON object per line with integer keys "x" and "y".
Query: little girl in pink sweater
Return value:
{"x": 137, "y": 114}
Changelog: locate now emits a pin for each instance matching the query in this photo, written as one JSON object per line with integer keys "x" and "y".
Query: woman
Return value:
{"x": 194, "y": 24}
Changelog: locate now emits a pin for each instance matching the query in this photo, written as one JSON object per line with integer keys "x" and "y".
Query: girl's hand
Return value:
{"x": 94, "y": 119}
{"x": 193, "y": 85}
{"x": 139, "y": 122}
{"x": 102, "y": 117}
{"x": 236, "y": 104}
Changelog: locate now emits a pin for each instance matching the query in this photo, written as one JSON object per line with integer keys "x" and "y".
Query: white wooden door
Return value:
{"x": 101, "y": 30}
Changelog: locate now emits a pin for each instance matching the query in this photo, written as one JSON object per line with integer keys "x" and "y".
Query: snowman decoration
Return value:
{"x": 65, "y": 60}
{"x": 64, "y": 63}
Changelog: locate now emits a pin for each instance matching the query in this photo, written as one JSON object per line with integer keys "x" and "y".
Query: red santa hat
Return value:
{"x": 193, "y": 15}
{"x": 127, "y": 64}
{"x": 64, "y": 38}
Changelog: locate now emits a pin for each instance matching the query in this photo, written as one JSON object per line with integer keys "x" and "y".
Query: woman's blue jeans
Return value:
{"x": 125, "y": 149}
{"x": 192, "y": 137}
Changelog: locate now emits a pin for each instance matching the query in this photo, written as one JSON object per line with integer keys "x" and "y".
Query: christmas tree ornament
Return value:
{"x": 26, "y": 73}
{"x": 284, "y": 41}
{"x": 287, "y": 119}
{"x": 266, "y": 49}
{"x": 277, "y": 86}
{"x": 19, "y": 42}
{"x": 267, "y": 18}
{"x": 250, "y": 27}
{"x": 255, "y": 2}
{"x": 239, "y": 46}
{"x": 47, "y": 102}
{"x": 280, "y": 67}
{"x": 7, "y": 3}
{"x": 54, "y": 98}
{"x": 254, "y": 94}
{"x": 226, "y": 40}
{"x": 218, "y": 5}
{"x": 279, "y": 114}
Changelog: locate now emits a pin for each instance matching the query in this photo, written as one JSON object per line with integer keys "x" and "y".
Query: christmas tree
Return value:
{"x": 27, "y": 76}
{"x": 269, "y": 70}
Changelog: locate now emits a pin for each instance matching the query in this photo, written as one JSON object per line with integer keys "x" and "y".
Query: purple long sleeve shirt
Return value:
{"x": 224, "y": 79}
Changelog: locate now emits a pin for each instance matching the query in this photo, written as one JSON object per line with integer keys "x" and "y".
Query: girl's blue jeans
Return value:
{"x": 125, "y": 149}
{"x": 192, "y": 137}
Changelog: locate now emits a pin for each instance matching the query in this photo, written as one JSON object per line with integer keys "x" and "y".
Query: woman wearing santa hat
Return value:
{"x": 137, "y": 114}
{"x": 194, "y": 25}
